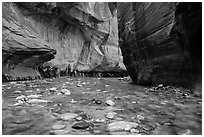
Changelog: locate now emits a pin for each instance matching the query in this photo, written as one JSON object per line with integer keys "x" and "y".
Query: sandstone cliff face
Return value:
{"x": 84, "y": 37}
{"x": 154, "y": 38}
{"x": 22, "y": 48}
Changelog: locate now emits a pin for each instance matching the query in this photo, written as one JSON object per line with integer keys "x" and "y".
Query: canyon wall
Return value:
{"x": 161, "y": 42}
{"x": 60, "y": 37}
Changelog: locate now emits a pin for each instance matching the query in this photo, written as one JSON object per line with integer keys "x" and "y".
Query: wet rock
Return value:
{"x": 18, "y": 104}
{"x": 17, "y": 91}
{"x": 110, "y": 103}
{"x": 59, "y": 132}
{"x": 58, "y": 126}
{"x": 66, "y": 92}
{"x": 79, "y": 118}
{"x": 32, "y": 101}
{"x": 22, "y": 98}
{"x": 121, "y": 125}
{"x": 53, "y": 89}
{"x": 160, "y": 86}
{"x": 28, "y": 91}
{"x": 73, "y": 101}
{"x": 188, "y": 132}
{"x": 134, "y": 130}
{"x": 79, "y": 85}
{"x": 110, "y": 115}
{"x": 34, "y": 96}
{"x": 139, "y": 117}
{"x": 98, "y": 132}
{"x": 97, "y": 101}
{"x": 68, "y": 116}
{"x": 81, "y": 125}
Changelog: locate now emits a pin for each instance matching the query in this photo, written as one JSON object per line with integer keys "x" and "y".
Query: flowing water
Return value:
{"x": 90, "y": 105}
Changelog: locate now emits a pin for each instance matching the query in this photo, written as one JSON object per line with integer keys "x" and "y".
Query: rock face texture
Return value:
{"x": 159, "y": 43}
{"x": 22, "y": 48}
{"x": 66, "y": 37}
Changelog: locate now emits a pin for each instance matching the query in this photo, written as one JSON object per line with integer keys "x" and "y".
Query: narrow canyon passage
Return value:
{"x": 93, "y": 105}
{"x": 101, "y": 68}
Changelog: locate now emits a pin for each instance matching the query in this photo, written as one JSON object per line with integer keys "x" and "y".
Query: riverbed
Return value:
{"x": 98, "y": 106}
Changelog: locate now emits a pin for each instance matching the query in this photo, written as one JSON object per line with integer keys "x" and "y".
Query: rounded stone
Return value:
{"x": 134, "y": 130}
{"x": 81, "y": 125}
{"x": 57, "y": 127}
{"x": 68, "y": 116}
{"x": 110, "y": 115}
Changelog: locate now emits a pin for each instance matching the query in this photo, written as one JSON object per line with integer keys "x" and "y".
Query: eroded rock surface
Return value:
{"x": 159, "y": 42}
{"x": 67, "y": 36}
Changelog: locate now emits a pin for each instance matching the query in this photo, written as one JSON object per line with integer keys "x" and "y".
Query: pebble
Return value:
{"x": 53, "y": 89}
{"x": 96, "y": 131}
{"x": 121, "y": 125}
{"x": 98, "y": 101}
{"x": 57, "y": 127}
{"x": 17, "y": 91}
{"x": 17, "y": 104}
{"x": 188, "y": 132}
{"x": 28, "y": 91}
{"x": 78, "y": 118}
{"x": 134, "y": 130}
{"x": 110, "y": 115}
{"x": 81, "y": 125}
{"x": 110, "y": 103}
{"x": 73, "y": 101}
{"x": 37, "y": 101}
{"x": 22, "y": 97}
{"x": 160, "y": 85}
{"x": 59, "y": 132}
{"x": 34, "y": 96}
{"x": 68, "y": 116}
{"x": 139, "y": 117}
{"x": 78, "y": 85}
{"x": 66, "y": 91}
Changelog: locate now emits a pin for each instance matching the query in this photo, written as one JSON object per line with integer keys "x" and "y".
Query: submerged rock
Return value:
{"x": 134, "y": 130}
{"x": 59, "y": 132}
{"x": 66, "y": 92}
{"x": 33, "y": 101}
{"x": 110, "y": 115}
{"x": 81, "y": 125}
{"x": 34, "y": 96}
{"x": 68, "y": 116}
{"x": 110, "y": 103}
{"x": 121, "y": 125}
{"x": 58, "y": 126}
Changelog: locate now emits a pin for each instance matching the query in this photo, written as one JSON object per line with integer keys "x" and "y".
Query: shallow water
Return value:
{"x": 161, "y": 112}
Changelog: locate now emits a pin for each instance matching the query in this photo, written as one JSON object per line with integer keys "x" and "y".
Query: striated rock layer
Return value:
{"x": 161, "y": 42}
{"x": 40, "y": 37}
